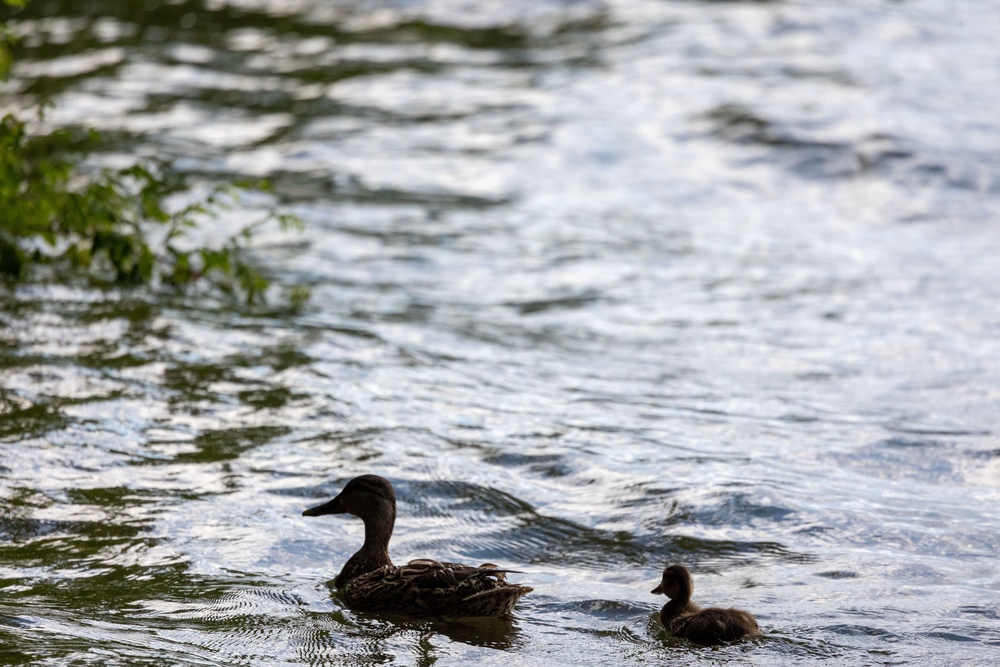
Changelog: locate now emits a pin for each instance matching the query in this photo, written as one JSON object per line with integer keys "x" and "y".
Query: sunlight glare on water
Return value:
{"x": 599, "y": 286}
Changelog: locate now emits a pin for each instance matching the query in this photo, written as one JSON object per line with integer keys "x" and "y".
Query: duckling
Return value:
{"x": 685, "y": 619}
{"x": 423, "y": 587}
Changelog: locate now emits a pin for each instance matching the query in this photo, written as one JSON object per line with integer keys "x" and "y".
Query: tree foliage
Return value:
{"x": 99, "y": 225}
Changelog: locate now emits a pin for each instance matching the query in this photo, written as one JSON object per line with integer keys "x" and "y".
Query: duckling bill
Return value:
{"x": 423, "y": 587}
{"x": 685, "y": 619}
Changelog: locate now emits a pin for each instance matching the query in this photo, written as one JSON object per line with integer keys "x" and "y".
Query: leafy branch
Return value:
{"x": 99, "y": 226}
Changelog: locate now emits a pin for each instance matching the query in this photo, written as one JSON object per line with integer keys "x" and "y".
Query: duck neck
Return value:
{"x": 374, "y": 553}
{"x": 378, "y": 531}
{"x": 681, "y": 602}
{"x": 676, "y": 607}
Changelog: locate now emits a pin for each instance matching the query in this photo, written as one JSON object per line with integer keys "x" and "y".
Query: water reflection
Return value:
{"x": 494, "y": 633}
{"x": 599, "y": 286}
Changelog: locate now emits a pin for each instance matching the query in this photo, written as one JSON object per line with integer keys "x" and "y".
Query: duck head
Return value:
{"x": 676, "y": 583}
{"x": 367, "y": 496}
{"x": 371, "y": 499}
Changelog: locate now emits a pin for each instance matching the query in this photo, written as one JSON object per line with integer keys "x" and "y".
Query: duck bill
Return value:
{"x": 657, "y": 591}
{"x": 335, "y": 506}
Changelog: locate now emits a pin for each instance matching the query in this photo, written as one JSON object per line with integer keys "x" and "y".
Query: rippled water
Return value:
{"x": 598, "y": 286}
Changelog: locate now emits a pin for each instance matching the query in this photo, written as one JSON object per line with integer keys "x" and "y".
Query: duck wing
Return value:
{"x": 427, "y": 587}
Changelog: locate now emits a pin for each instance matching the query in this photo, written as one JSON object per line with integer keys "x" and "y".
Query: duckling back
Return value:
{"x": 427, "y": 587}
{"x": 713, "y": 625}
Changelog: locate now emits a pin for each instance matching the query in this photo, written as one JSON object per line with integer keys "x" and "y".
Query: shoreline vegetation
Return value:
{"x": 99, "y": 226}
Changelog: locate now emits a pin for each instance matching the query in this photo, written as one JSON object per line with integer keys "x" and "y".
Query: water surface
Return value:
{"x": 599, "y": 286}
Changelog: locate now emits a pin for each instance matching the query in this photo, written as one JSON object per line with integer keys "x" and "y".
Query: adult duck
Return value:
{"x": 685, "y": 619}
{"x": 370, "y": 582}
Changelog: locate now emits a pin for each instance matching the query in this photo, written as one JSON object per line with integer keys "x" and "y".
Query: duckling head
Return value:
{"x": 675, "y": 583}
{"x": 365, "y": 496}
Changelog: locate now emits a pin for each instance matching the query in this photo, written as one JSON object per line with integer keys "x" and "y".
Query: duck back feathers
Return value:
{"x": 427, "y": 587}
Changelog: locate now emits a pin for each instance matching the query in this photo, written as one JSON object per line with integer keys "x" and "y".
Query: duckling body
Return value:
{"x": 370, "y": 582}
{"x": 685, "y": 619}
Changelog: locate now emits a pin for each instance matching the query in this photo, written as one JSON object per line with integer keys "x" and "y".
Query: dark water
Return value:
{"x": 598, "y": 286}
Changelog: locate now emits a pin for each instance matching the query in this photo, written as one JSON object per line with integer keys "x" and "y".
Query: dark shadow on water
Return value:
{"x": 527, "y": 535}
{"x": 153, "y": 26}
{"x": 804, "y": 156}
{"x": 229, "y": 444}
{"x": 495, "y": 633}
{"x": 22, "y": 421}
